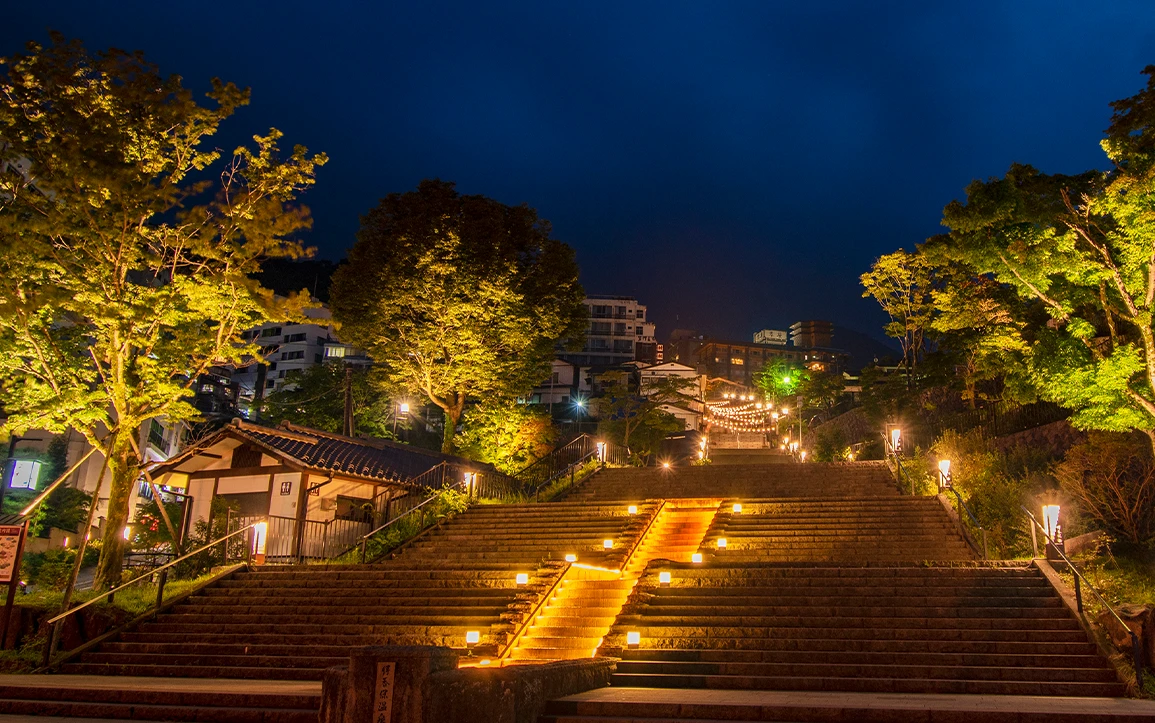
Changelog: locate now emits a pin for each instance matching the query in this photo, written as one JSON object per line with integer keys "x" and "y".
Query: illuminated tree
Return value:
{"x": 633, "y": 417}
{"x": 458, "y": 297}
{"x": 903, "y": 284}
{"x": 126, "y": 249}
{"x": 508, "y": 436}
{"x": 1082, "y": 247}
{"x": 778, "y": 380}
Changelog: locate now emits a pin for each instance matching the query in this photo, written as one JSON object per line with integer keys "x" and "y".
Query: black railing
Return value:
{"x": 246, "y": 533}
{"x": 962, "y": 505}
{"x": 1080, "y": 581}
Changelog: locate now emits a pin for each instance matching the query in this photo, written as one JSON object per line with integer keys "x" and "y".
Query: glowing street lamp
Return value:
{"x": 260, "y": 534}
{"x": 1051, "y": 523}
{"x": 944, "y": 475}
{"x": 895, "y": 440}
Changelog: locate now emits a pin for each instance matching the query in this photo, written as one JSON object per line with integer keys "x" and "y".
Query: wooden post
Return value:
{"x": 13, "y": 581}
{"x": 302, "y": 515}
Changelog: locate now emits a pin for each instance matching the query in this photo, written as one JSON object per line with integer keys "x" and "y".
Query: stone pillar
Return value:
{"x": 385, "y": 684}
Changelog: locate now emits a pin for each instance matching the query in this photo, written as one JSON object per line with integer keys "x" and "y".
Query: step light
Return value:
{"x": 472, "y": 637}
{"x": 737, "y": 508}
{"x": 696, "y": 557}
{"x": 632, "y": 509}
{"x": 721, "y": 543}
{"x": 664, "y": 578}
{"x": 608, "y": 544}
{"x": 633, "y": 638}
{"x": 522, "y": 578}
{"x": 571, "y": 558}
{"x": 484, "y": 661}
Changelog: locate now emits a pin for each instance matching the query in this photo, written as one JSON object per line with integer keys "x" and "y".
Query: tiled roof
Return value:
{"x": 374, "y": 459}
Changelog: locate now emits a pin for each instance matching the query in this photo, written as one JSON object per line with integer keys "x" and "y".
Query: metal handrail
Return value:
{"x": 541, "y": 603}
{"x": 966, "y": 508}
{"x": 1136, "y": 649}
{"x": 363, "y": 540}
{"x": 641, "y": 538}
{"x": 150, "y": 573}
{"x": 562, "y": 472}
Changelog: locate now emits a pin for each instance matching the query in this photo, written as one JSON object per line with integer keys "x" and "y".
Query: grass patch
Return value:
{"x": 133, "y": 600}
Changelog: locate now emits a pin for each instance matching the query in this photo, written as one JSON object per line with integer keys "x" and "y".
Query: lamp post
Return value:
{"x": 944, "y": 475}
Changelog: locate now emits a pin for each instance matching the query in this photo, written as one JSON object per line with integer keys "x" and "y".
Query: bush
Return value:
{"x": 830, "y": 445}
{"x": 1112, "y": 479}
{"x": 995, "y": 485}
{"x": 51, "y": 569}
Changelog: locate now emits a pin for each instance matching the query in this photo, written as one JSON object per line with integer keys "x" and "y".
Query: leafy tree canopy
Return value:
{"x": 458, "y": 297}
{"x": 508, "y": 436}
{"x": 903, "y": 284}
{"x": 1083, "y": 248}
{"x": 315, "y": 397}
{"x": 126, "y": 242}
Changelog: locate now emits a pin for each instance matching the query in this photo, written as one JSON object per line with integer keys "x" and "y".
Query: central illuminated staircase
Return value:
{"x": 578, "y": 615}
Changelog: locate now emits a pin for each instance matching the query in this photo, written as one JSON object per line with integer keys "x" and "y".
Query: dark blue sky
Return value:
{"x": 734, "y": 165}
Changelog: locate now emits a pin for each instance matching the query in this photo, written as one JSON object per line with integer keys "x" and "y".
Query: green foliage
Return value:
{"x": 315, "y": 397}
{"x": 149, "y": 530}
{"x": 1112, "y": 479}
{"x": 830, "y": 445}
{"x": 903, "y": 284}
{"x": 449, "y": 502}
{"x": 51, "y": 569}
{"x": 66, "y": 509}
{"x": 458, "y": 297}
{"x": 633, "y": 417}
{"x": 995, "y": 485}
{"x": 127, "y": 244}
{"x": 508, "y": 436}
{"x": 1078, "y": 247}
{"x": 779, "y": 380}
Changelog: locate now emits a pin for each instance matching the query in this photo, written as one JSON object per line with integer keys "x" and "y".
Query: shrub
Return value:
{"x": 1112, "y": 479}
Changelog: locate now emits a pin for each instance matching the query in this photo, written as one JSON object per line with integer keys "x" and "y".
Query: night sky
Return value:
{"x": 733, "y": 165}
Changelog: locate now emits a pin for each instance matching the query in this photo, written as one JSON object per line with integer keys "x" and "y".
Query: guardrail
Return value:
{"x": 363, "y": 541}
{"x": 1081, "y": 580}
{"x": 53, "y": 622}
{"x": 974, "y": 520}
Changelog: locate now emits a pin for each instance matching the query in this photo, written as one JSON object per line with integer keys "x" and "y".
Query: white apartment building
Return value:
{"x": 286, "y": 348}
{"x": 619, "y": 332}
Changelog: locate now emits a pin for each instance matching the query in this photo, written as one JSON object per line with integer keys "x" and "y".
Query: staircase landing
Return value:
{"x": 637, "y": 705}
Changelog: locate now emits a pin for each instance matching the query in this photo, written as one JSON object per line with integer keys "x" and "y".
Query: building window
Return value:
{"x": 317, "y": 358}
{"x": 641, "y": 314}
{"x": 335, "y": 352}
{"x": 619, "y": 329}
{"x": 281, "y": 374}
{"x": 295, "y": 337}
{"x": 271, "y": 331}
{"x": 207, "y": 389}
{"x": 270, "y": 384}
{"x": 738, "y": 360}
{"x": 25, "y": 474}
{"x": 288, "y": 355}
{"x": 246, "y": 455}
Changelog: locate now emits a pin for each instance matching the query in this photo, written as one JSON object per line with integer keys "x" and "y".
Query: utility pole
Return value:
{"x": 348, "y": 426}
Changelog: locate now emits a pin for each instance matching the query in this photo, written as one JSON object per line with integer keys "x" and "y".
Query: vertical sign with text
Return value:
{"x": 9, "y": 552}
{"x": 383, "y": 697}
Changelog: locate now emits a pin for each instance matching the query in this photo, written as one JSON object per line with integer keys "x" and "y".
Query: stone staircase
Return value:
{"x": 573, "y": 623}
{"x": 986, "y": 629}
{"x": 738, "y": 481}
{"x": 815, "y": 529}
{"x": 280, "y": 624}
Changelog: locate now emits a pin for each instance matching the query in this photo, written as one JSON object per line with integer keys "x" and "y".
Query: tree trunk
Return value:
{"x": 123, "y": 466}
{"x": 452, "y": 416}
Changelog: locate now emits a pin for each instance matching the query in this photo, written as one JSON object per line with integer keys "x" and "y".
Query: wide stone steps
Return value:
{"x": 193, "y": 671}
{"x": 1073, "y": 655}
{"x": 902, "y": 684}
{"x": 143, "y": 703}
{"x": 847, "y": 669}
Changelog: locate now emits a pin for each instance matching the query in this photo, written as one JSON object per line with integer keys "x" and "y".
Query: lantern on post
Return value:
{"x": 944, "y": 475}
{"x": 894, "y": 439}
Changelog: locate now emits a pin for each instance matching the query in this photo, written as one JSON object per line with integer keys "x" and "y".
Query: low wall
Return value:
{"x": 409, "y": 684}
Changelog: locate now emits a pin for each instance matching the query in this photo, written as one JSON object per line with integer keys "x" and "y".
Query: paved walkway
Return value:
{"x": 179, "y": 685}
{"x": 669, "y": 700}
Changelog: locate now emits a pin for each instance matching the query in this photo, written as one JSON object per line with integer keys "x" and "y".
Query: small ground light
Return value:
{"x": 721, "y": 543}
{"x": 484, "y": 661}
{"x": 664, "y": 578}
{"x": 571, "y": 558}
{"x": 522, "y": 578}
{"x": 127, "y": 533}
{"x": 696, "y": 557}
{"x": 665, "y": 465}
{"x": 472, "y": 637}
{"x": 633, "y": 638}
{"x": 737, "y": 508}
{"x": 632, "y": 509}
{"x": 608, "y": 544}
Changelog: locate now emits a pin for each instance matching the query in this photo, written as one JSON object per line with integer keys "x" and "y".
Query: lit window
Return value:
{"x": 25, "y": 473}
{"x": 335, "y": 352}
